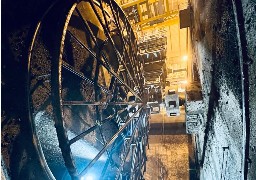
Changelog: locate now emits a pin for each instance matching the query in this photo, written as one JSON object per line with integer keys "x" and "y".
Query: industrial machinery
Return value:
{"x": 172, "y": 103}
{"x": 153, "y": 54}
{"x": 85, "y": 93}
{"x": 156, "y": 21}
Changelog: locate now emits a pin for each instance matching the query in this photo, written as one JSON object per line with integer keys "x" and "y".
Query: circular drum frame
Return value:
{"x": 75, "y": 69}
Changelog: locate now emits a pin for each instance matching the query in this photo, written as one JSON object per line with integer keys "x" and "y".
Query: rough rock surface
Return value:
{"x": 221, "y": 141}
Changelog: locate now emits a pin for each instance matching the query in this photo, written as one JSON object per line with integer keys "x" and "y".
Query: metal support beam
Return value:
{"x": 165, "y": 15}
{"x": 130, "y": 4}
{"x": 168, "y": 17}
{"x": 169, "y": 22}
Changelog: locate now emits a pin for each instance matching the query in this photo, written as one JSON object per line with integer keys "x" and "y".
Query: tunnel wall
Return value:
{"x": 249, "y": 9}
{"x": 216, "y": 51}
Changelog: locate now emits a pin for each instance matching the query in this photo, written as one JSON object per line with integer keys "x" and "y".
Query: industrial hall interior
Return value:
{"x": 128, "y": 90}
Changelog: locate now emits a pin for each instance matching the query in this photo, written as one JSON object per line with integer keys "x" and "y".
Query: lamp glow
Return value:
{"x": 185, "y": 58}
{"x": 184, "y": 82}
{"x": 88, "y": 177}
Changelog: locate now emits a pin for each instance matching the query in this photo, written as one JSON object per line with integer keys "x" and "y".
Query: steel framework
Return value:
{"x": 150, "y": 14}
{"x": 85, "y": 79}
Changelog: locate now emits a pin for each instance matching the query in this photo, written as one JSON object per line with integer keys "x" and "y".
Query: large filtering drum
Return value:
{"x": 82, "y": 66}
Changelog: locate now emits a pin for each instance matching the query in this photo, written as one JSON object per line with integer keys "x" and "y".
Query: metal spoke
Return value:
{"x": 88, "y": 131}
{"x": 104, "y": 15}
{"x": 126, "y": 24}
{"x": 81, "y": 75}
{"x": 87, "y": 27}
{"x": 131, "y": 58}
{"x": 103, "y": 64}
{"x": 107, "y": 27}
{"x": 126, "y": 153}
{"x": 111, "y": 41}
{"x": 131, "y": 119}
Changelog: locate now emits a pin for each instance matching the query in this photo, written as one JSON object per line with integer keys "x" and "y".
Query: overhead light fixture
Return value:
{"x": 185, "y": 58}
{"x": 184, "y": 82}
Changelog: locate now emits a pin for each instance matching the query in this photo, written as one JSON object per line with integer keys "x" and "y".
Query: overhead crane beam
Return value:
{"x": 168, "y": 22}
{"x": 165, "y": 15}
{"x": 130, "y": 4}
{"x": 167, "y": 18}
